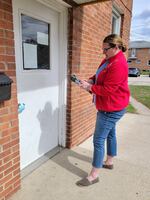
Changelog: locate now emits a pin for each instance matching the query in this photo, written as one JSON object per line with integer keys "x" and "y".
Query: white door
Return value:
{"x": 37, "y": 63}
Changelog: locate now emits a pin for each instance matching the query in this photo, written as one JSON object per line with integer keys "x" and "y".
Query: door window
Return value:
{"x": 35, "y": 43}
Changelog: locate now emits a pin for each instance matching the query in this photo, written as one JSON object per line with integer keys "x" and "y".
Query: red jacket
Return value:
{"x": 111, "y": 89}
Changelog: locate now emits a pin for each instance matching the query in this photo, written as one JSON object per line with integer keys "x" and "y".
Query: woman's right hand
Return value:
{"x": 90, "y": 81}
{"x": 85, "y": 85}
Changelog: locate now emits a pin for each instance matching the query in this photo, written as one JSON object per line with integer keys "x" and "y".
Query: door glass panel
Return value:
{"x": 35, "y": 43}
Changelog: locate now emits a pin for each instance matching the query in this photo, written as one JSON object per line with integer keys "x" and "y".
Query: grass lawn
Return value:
{"x": 141, "y": 94}
{"x": 145, "y": 72}
{"x": 131, "y": 109}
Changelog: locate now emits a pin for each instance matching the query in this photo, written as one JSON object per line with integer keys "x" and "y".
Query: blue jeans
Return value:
{"x": 105, "y": 129}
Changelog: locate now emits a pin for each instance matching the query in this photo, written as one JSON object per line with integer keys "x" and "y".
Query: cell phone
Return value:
{"x": 75, "y": 79}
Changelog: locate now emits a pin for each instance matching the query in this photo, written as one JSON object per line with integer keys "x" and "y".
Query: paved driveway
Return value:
{"x": 142, "y": 80}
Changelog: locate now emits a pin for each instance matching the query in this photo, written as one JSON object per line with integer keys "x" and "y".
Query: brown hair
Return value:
{"x": 115, "y": 40}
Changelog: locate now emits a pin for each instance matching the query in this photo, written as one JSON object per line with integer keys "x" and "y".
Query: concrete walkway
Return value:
{"x": 130, "y": 179}
{"x": 139, "y": 107}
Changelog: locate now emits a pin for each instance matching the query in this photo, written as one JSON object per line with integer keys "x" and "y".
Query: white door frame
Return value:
{"x": 63, "y": 21}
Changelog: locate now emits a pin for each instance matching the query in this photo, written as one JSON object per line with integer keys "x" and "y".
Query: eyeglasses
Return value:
{"x": 106, "y": 49}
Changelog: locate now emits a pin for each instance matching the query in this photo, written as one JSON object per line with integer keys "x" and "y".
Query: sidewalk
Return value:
{"x": 130, "y": 179}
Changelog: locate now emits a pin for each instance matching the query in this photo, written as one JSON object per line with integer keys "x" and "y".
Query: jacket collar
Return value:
{"x": 115, "y": 57}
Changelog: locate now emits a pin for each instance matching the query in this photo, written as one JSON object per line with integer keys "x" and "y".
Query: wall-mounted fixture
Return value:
{"x": 5, "y": 87}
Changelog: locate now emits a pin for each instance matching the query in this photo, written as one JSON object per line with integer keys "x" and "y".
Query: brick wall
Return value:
{"x": 143, "y": 55}
{"x": 9, "y": 135}
{"x": 90, "y": 24}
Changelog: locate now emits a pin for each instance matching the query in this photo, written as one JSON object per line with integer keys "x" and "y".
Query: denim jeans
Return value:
{"x": 105, "y": 128}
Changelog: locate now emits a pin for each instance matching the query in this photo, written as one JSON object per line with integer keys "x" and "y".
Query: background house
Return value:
{"x": 139, "y": 55}
{"x": 68, "y": 35}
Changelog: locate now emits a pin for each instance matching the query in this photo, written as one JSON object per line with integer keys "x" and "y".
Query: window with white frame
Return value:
{"x": 116, "y": 21}
{"x": 35, "y": 43}
{"x": 138, "y": 61}
{"x": 133, "y": 53}
{"x": 148, "y": 63}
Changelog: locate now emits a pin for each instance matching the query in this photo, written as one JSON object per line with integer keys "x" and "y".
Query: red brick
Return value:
{"x": 8, "y": 2}
{"x": 6, "y": 130}
{"x": 8, "y": 171}
{"x": 1, "y": 14}
{"x": 3, "y": 111}
{"x": 8, "y": 16}
{"x": 2, "y": 50}
{"x": 14, "y": 123}
{"x": 1, "y": 188}
{"x": 5, "y": 155}
{"x": 2, "y": 24}
{"x": 2, "y": 65}
{"x": 11, "y": 66}
{"x": 13, "y": 180}
{"x": 17, "y": 184}
{"x": 4, "y": 126}
{"x": 143, "y": 55}
{"x": 11, "y": 157}
{"x": 13, "y": 144}
{"x": 12, "y": 192}
{"x": 4, "y": 140}
{"x": 5, "y": 179}
{"x": 5, "y": 192}
{"x": 1, "y": 33}
{"x": 12, "y": 169}
{"x": 6, "y": 6}
{"x": 8, "y": 118}
{"x": 10, "y": 51}
{"x": 16, "y": 159}
{"x": 11, "y": 73}
{"x": 16, "y": 172}
{"x": 5, "y": 166}
{"x": 8, "y": 25}
{"x": 1, "y": 175}
{"x": 16, "y": 148}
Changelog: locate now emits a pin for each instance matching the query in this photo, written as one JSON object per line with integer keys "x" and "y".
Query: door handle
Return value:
{"x": 21, "y": 107}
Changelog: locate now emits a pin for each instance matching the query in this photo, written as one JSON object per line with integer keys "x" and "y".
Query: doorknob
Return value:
{"x": 21, "y": 107}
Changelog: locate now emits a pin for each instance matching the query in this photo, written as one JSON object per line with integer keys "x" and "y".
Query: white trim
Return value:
{"x": 148, "y": 62}
{"x": 118, "y": 9}
{"x": 62, "y": 77}
{"x": 133, "y": 53}
{"x": 59, "y": 7}
{"x": 117, "y": 16}
{"x": 64, "y": 3}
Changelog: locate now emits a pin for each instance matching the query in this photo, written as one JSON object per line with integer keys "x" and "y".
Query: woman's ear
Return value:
{"x": 116, "y": 48}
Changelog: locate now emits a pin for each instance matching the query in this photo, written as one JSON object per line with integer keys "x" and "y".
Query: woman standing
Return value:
{"x": 111, "y": 96}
